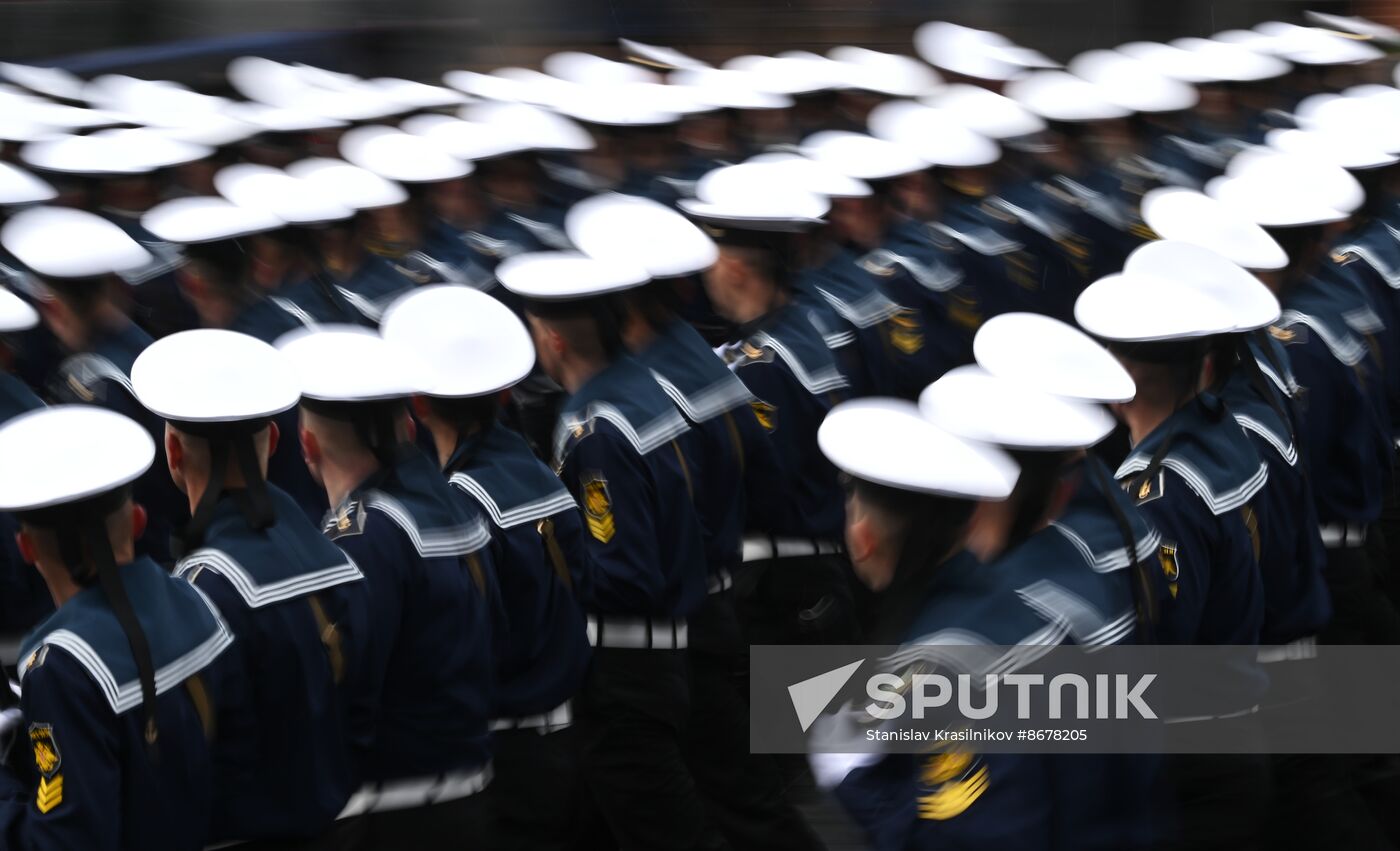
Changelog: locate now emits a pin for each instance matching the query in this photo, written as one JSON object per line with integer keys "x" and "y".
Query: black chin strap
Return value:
{"x": 253, "y": 499}
{"x": 467, "y": 449}
{"x": 1143, "y": 595}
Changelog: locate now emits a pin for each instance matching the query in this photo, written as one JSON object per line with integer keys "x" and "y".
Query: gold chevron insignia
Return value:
{"x": 50, "y": 793}
{"x": 597, "y": 504}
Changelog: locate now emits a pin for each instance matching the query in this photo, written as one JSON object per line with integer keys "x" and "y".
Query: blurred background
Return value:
{"x": 191, "y": 40}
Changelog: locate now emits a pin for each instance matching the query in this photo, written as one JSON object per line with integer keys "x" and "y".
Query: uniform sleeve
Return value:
{"x": 1181, "y": 567}
{"x": 615, "y": 490}
{"x": 773, "y": 407}
{"x": 380, "y": 557}
{"x": 71, "y": 734}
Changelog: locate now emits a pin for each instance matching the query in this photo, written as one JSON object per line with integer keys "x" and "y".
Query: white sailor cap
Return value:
{"x": 1314, "y": 176}
{"x": 860, "y": 156}
{"x": 1250, "y": 303}
{"x": 1287, "y": 190}
{"x": 975, "y": 53}
{"x": 1060, "y": 96}
{"x": 134, "y": 151}
{"x": 1221, "y": 61}
{"x": 352, "y": 186}
{"x": 1187, "y": 215}
{"x": 61, "y": 243}
{"x": 468, "y": 140}
{"x": 54, "y": 82}
{"x": 935, "y": 135}
{"x": 813, "y": 176}
{"x": 465, "y": 343}
{"x": 196, "y": 219}
{"x": 280, "y": 119}
{"x": 1315, "y": 46}
{"x": 885, "y": 73}
{"x": 1351, "y": 152}
{"x": 618, "y": 105}
{"x": 1356, "y": 26}
{"x": 1169, "y": 60}
{"x": 151, "y": 102}
{"x": 530, "y": 126}
{"x": 209, "y": 375}
{"x": 347, "y": 363}
{"x": 214, "y": 131}
{"x": 510, "y": 85}
{"x": 295, "y": 201}
{"x": 18, "y": 186}
{"x": 755, "y": 197}
{"x": 265, "y": 80}
{"x": 395, "y": 155}
{"x": 1136, "y": 308}
{"x": 994, "y": 116}
{"x": 1133, "y": 83}
{"x": 20, "y": 128}
{"x": 15, "y": 313}
{"x": 888, "y": 442}
{"x": 727, "y": 89}
{"x": 666, "y": 58}
{"x": 62, "y": 115}
{"x": 974, "y": 404}
{"x": 1051, "y": 355}
{"x": 586, "y": 69}
{"x": 69, "y": 453}
{"x": 639, "y": 231}
{"x": 793, "y": 73}
{"x": 1369, "y": 114}
{"x": 411, "y": 94}
{"x": 568, "y": 275}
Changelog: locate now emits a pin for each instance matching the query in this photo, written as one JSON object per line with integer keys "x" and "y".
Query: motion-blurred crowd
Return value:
{"x": 387, "y": 464}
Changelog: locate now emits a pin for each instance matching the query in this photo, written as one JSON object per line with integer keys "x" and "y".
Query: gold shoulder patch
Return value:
{"x": 767, "y": 414}
{"x": 906, "y": 332}
{"x": 597, "y": 505}
{"x": 49, "y": 762}
{"x": 1283, "y": 335}
{"x": 1171, "y": 567}
{"x": 950, "y": 782}
{"x": 1149, "y": 490}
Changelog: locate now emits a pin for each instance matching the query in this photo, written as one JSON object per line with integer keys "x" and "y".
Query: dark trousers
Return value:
{"x": 344, "y": 835}
{"x": 1222, "y": 800}
{"x": 743, "y": 792}
{"x": 533, "y": 798}
{"x": 1361, "y": 612}
{"x": 801, "y": 600}
{"x": 631, "y": 718}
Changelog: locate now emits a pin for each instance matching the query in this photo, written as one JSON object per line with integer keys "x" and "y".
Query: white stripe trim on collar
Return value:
{"x": 718, "y": 398}
{"x": 127, "y": 696}
{"x": 1284, "y": 447}
{"x": 430, "y": 543}
{"x": 255, "y": 595}
{"x": 872, "y": 308}
{"x": 666, "y": 427}
{"x": 1348, "y": 352}
{"x": 526, "y": 513}
{"x": 1111, "y": 560}
{"x": 1218, "y": 504}
{"x": 822, "y": 381}
{"x": 97, "y": 366}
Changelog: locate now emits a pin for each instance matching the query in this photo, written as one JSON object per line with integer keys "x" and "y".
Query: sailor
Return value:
{"x": 116, "y": 682}
{"x": 421, "y": 700}
{"x": 1344, "y": 439}
{"x": 76, "y": 256}
{"x": 1291, "y": 556}
{"x": 296, "y": 604}
{"x": 731, "y": 463}
{"x": 867, "y": 280}
{"x": 617, "y": 449}
{"x": 795, "y": 586}
{"x": 470, "y": 349}
{"x": 400, "y": 233}
{"x": 1197, "y": 476}
{"x": 217, "y": 280}
{"x": 1069, "y": 541}
{"x": 914, "y": 494}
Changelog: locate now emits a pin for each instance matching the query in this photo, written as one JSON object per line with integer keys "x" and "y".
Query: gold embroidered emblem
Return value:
{"x": 597, "y": 505}
{"x": 766, "y": 414}
{"x": 1171, "y": 568}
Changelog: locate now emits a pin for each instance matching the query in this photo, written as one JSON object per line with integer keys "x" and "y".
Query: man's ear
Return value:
{"x": 175, "y": 458}
{"x": 274, "y": 434}
{"x": 26, "y": 546}
{"x": 138, "y": 521}
{"x": 419, "y": 406}
{"x": 861, "y": 540}
{"x": 310, "y": 446}
{"x": 555, "y": 341}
